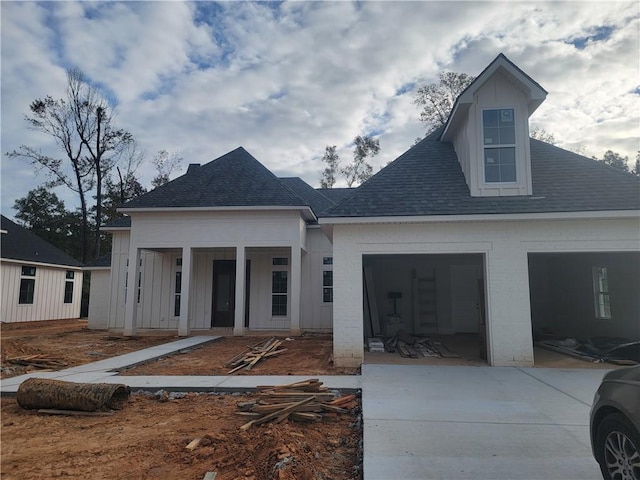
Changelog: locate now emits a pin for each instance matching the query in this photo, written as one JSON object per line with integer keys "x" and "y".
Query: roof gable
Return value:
{"x": 21, "y": 244}
{"x": 500, "y": 65}
{"x": 235, "y": 179}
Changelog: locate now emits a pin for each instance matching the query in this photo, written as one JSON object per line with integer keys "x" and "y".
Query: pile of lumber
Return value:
{"x": 37, "y": 361}
{"x": 252, "y": 355}
{"x": 306, "y": 401}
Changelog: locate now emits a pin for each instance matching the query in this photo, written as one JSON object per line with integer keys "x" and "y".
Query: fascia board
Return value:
{"x": 504, "y": 217}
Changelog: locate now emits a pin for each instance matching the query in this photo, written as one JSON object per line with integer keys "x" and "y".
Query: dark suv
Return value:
{"x": 615, "y": 424}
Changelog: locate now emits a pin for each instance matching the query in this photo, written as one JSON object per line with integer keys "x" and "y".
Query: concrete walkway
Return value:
{"x": 424, "y": 422}
{"x": 481, "y": 423}
{"x": 105, "y": 371}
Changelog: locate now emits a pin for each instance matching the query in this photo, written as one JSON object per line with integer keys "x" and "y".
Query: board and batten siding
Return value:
{"x": 99, "y": 298}
{"x": 48, "y": 298}
{"x": 315, "y": 314}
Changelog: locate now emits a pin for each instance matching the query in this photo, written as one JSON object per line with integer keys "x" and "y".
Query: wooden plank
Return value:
{"x": 193, "y": 444}
{"x": 210, "y": 476}
{"x": 74, "y": 413}
{"x": 278, "y": 414}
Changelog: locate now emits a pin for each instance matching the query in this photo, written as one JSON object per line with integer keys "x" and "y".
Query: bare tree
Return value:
{"x": 332, "y": 159}
{"x": 359, "y": 170}
{"x": 542, "y": 135}
{"x": 166, "y": 163}
{"x": 95, "y": 125}
{"x": 436, "y": 99}
{"x": 56, "y": 119}
{"x": 82, "y": 126}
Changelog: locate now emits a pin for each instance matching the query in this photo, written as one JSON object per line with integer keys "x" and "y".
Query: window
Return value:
{"x": 499, "y": 139}
{"x": 279, "y": 293}
{"x": 68, "y": 287}
{"x": 140, "y": 281}
{"x": 327, "y": 286}
{"x": 28, "y": 271}
{"x": 176, "y": 295}
{"x": 327, "y": 260}
{"x": 280, "y": 261}
{"x": 601, "y": 292}
{"x": 27, "y": 286}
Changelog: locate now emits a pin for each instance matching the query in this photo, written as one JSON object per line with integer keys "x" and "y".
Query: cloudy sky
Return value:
{"x": 286, "y": 79}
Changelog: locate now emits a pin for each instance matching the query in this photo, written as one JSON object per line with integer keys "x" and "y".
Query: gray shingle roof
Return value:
{"x": 335, "y": 194}
{"x": 428, "y": 180}
{"x": 103, "y": 261}
{"x": 318, "y": 202}
{"x": 234, "y": 179}
{"x": 21, "y": 244}
{"x": 122, "y": 222}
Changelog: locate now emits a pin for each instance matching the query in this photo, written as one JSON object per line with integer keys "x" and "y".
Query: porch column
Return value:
{"x": 296, "y": 276}
{"x": 183, "y": 323}
{"x": 131, "y": 292}
{"x": 238, "y": 321}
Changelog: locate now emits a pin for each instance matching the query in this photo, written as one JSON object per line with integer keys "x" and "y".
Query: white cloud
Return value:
{"x": 285, "y": 80}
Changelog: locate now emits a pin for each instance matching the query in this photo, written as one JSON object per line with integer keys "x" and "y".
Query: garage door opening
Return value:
{"x": 585, "y": 306}
{"x": 424, "y": 309}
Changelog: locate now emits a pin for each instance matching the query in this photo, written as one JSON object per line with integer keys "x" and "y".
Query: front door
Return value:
{"x": 224, "y": 293}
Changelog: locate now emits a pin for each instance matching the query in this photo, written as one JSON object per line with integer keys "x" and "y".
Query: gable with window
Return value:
{"x": 489, "y": 130}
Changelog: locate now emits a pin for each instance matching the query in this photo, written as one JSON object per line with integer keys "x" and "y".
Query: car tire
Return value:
{"x": 618, "y": 448}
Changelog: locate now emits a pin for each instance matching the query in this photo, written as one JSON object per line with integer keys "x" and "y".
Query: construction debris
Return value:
{"x": 252, "y": 355}
{"x": 620, "y": 351}
{"x": 376, "y": 345}
{"x": 410, "y": 346}
{"x": 306, "y": 401}
{"x": 37, "y": 361}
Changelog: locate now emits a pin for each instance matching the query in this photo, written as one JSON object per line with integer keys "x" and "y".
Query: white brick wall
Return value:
{"x": 505, "y": 246}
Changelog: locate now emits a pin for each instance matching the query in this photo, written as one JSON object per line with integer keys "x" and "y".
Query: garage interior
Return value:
{"x": 586, "y": 305}
{"x": 433, "y": 299}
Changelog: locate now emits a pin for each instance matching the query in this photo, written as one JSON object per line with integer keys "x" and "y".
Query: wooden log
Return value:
{"x": 41, "y": 393}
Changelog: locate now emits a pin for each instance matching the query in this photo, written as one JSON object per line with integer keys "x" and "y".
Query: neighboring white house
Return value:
{"x": 39, "y": 281}
{"x": 477, "y": 229}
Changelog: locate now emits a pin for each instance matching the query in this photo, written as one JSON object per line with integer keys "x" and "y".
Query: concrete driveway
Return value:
{"x": 480, "y": 423}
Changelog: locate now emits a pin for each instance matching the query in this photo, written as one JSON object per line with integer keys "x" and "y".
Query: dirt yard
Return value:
{"x": 67, "y": 343}
{"x": 147, "y": 440}
{"x": 309, "y": 354}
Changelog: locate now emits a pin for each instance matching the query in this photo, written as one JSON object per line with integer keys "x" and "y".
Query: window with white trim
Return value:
{"x": 68, "y": 287}
{"x": 27, "y": 286}
{"x": 601, "y": 292}
{"x": 279, "y": 293}
{"x": 327, "y": 286}
{"x": 499, "y": 142}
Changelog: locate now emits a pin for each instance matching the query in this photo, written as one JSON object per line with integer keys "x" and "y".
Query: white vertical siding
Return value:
{"x": 119, "y": 256}
{"x": 99, "y": 299}
{"x": 315, "y": 315}
{"x": 48, "y": 299}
